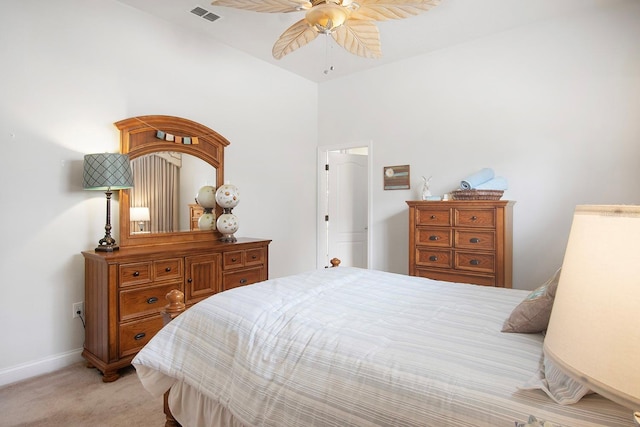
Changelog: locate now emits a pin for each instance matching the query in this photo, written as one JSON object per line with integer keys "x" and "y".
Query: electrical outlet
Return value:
{"x": 78, "y": 309}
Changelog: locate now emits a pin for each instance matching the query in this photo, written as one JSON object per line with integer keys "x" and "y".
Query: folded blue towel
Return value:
{"x": 497, "y": 183}
{"x": 480, "y": 177}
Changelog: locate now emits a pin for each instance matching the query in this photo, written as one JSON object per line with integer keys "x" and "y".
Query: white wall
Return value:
{"x": 70, "y": 69}
{"x": 554, "y": 107}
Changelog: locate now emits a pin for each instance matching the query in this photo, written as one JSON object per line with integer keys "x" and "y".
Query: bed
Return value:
{"x": 354, "y": 347}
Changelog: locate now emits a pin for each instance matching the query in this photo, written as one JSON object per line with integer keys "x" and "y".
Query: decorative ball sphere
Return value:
{"x": 227, "y": 223}
{"x": 206, "y": 197}
{"x": 228, "y": 196}
{"x": 207, "y": 221}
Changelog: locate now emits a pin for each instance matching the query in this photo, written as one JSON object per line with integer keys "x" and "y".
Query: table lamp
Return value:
{"x": 594, "y": 330}
{"x": 139, "y": 215}
{"x": 107, "y": 172}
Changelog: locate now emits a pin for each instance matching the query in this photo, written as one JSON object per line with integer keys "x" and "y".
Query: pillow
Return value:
{"x": 534, "y": 422}
{"x": 532, "y": 314}
{"x": 556, "y": 384}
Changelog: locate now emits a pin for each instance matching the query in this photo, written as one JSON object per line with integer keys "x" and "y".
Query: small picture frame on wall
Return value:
{"x": 397, "y": 177}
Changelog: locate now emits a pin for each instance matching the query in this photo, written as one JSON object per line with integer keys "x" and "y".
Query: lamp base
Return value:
{"x": 107, "y": 248}
{"x": 228, "y": 238}
{"x": 107, "y": 243}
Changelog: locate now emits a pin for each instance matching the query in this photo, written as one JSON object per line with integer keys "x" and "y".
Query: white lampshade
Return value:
{"x": 206, "y": 196}
{"x": 139, "y": 214}
{"x": 594, "y": 331}
{"x": 228, "y": 196}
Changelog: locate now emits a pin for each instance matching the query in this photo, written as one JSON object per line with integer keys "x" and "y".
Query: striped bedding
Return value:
{"x": 353, "y": 347}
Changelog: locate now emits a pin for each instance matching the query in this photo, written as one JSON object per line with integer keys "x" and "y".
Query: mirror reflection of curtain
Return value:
{"x": 156, "y": 182}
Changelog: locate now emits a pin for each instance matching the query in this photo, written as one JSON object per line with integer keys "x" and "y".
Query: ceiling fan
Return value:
{"x": 349, "y": 22}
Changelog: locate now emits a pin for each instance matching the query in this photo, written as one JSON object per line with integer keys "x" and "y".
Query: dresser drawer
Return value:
{"x": 434, "y": 258}
{"x": 135, "y": 273}
{"x": 233, "y": 259}
{"x": 475, "y": 239}
{"x": 433, "y": 216}
{"x": 255, "y": 256}
{"x": 471, "y": 261}
{"x": 435, "y": 237}
{"x": 134, "y": 335}
{"x": 168, "y": 269}
{"x": 241, "y": 278}
{"x": 243, "y": 258}
{"x": 475, "y": 218}
{"x": 140, "y": 302}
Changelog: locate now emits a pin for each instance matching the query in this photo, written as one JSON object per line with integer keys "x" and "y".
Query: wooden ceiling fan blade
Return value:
{"x": 294, "y": 37}
{"x": 361, "y": 38}
{"x": 267, "y": 6}
{"x": 383, "y": 10}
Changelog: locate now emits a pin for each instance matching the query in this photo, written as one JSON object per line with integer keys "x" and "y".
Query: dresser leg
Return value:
{"x": 110, "y": 376}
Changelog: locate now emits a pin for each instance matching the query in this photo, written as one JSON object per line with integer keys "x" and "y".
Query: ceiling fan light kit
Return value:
{"x": 351, "y": 23}
{"x": 326, "y": 17}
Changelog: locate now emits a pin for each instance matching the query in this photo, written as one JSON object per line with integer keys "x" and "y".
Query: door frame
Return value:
{"x": 320, "y": 224}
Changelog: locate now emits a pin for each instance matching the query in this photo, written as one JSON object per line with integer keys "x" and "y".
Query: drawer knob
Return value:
{"x": 473, "y": 218}
{"x": 234, "y": 259}
{"x": 433, "y": 258}
{"x": 254, "y": 257}
{"x": 243, "y": 281}
{"x": 152, "y": 300}
{"x": 474, "y": 262}
{"x": 189, "y": 280}
{"x": 136, "y": 273}
{"x": 139, "y": 336}
{"x": 433, "y": 217}
{"x": 433, "y": 237}
{"x": 474, "y": 240}
{"x": 168, "y": 269}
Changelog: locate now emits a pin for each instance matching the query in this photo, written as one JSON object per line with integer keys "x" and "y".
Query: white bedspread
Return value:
{"x": 352, "y": 347}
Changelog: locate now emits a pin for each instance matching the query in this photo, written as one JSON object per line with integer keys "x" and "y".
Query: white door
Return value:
{"x": 347, "y": 203}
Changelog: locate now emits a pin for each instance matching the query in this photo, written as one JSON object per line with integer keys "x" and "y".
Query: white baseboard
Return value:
{"x": 39, "y": 367}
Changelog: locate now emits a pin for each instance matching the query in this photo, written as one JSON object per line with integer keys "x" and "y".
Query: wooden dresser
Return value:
{"x": 125, "y": 290}
{"x": 468, "y": 241}
{"x": 195, "y": 212}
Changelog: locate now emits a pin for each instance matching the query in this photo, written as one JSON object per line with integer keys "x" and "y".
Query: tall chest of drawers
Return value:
{"x": 125, "y": 291}
{"x": 462, "y": 241}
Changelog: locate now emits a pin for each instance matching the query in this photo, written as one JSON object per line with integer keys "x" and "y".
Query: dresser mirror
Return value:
{"x": 171, "y": 159}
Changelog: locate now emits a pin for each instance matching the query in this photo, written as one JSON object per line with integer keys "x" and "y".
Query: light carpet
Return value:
{"x": 76, "y": 396}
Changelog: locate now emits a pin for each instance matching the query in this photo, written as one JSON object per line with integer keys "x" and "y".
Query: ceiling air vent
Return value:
{"x": 211, "y": 16}
{"x": 204, "y": 14}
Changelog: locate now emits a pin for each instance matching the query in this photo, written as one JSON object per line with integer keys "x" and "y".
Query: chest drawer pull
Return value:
{"x": 433, "y": 237}
{"x": 474, "y": 262}
{"x": 234, "y": 259}
{"x": 168, "y": 269}
{"x": 433, "y": 217}
{"x": 243, "y": 281}
{"x": 473, "y": 218}
{"x": 136, "y": 273}
{"x": 433, "y": 258}
{"x": 253, "y": 257}
{"x": 139, "y": 336}
{"x": 189, "y": 280}
{"x": 152, "y": 300}
{"x": 474, "y": 240}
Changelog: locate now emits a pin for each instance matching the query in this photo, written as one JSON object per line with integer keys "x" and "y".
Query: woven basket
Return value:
{"x": 477, "y": 194}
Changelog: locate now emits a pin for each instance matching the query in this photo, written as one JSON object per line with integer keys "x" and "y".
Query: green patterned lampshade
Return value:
{"x": 107, "y": 171}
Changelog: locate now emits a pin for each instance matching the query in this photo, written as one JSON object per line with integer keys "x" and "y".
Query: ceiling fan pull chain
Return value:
{"x": 328, "y": 55}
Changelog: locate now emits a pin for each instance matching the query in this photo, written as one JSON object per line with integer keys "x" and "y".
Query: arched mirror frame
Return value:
{"x": 138, "y": 136}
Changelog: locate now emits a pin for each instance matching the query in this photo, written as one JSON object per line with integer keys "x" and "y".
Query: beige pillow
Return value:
{"x": 532, "y": 314}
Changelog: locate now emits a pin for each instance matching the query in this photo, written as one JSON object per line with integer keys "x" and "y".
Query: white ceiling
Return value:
{"x": 450, "y": 23}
